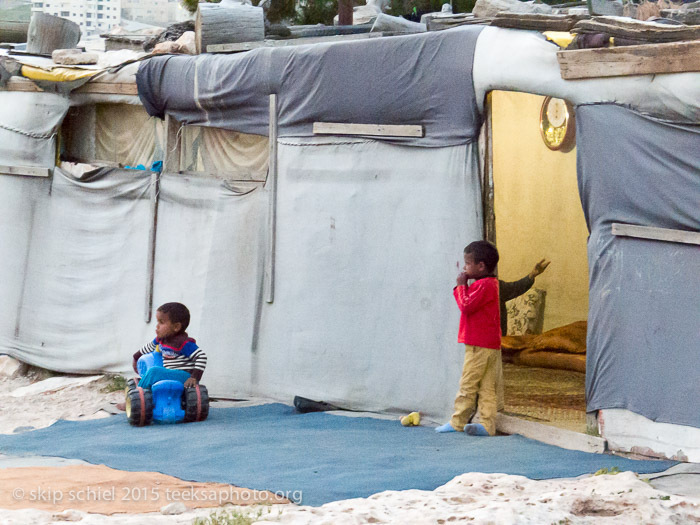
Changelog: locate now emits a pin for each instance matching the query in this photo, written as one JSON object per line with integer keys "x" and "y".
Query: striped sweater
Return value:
{"x": 180, "y": 354}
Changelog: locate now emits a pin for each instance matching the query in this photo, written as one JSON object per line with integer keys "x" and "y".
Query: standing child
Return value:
{"x": 183, "y": 360}
{"x": 480, "y": 331}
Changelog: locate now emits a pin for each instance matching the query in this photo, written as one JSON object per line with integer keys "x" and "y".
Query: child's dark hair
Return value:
{"x": 483, "y": 251}
{"x": 177, "y": 313}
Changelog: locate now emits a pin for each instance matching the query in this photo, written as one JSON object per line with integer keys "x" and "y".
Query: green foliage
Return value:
{"x": 116, "y": 383}
{"x": 603, "y": 471}
{"x": 414, "y": 8}
{"x": 191, "y": 5}
{"x": 313, "y": 12}
{"x": 232, "y": 517}
{"x": 279, "y": 10}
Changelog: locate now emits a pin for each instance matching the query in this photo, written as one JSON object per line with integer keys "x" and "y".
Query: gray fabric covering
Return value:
{"x": 643, "y": 352}
{"x": 417, "y": 79}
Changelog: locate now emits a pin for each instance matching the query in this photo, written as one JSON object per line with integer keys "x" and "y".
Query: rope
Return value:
{"x": 29, "y": 133}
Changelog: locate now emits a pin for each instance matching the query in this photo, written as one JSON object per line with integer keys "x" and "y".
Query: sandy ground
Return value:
{"x": 35, "y": 400}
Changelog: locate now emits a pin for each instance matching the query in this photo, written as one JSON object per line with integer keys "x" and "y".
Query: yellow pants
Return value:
{"x": 479, "y": 377}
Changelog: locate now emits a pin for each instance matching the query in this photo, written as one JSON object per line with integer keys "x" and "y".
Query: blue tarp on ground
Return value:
{"x": 319, "y": 456}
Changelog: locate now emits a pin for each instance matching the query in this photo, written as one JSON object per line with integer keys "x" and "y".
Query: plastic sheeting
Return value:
{"x": 513, "y": 60}
{"x": 369, "y": 240}
{"x": 643, "y": 349}
{"x": 419, "y": 79}
{"x": 227, "y": 153}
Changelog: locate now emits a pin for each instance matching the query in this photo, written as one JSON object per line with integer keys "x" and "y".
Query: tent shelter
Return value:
{"x": 331, "y": 276}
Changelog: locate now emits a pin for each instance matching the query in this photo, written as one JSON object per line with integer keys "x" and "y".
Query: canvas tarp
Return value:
{"x": 29, "y": 128}
{"x": 369, "y": 240}
{"x": 421, "y": 79}
{"x": 643, "y": 348}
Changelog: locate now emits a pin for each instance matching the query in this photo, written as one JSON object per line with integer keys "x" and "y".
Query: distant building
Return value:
{"x": 93, "y": 16}
{"x": 156, "y": 12}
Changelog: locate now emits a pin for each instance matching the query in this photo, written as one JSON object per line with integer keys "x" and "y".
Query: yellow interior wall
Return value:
{"x": 537, "y": 207}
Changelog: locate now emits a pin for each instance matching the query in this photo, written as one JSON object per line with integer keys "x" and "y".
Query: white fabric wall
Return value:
{"x": 369, "y": 242}
{"x": 28, "y": 128}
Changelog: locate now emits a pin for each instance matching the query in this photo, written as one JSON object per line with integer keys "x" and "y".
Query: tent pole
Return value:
{"x": 171, "y": 164}
{"x": 155, "y": 186}
{"x": 272, "y": 209}
{"x": 487, "y": 195}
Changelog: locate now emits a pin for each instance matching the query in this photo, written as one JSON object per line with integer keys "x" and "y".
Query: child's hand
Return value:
{"x": 190, "y": 382}
{"x": 462, "y": 279}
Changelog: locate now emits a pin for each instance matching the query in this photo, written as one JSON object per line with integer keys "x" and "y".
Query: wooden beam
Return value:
{"x": 655, "y": 234}
{"x": 272, "y": 210}
{"x": 28, "y": 171}
{"x": 109, "y": 88}
{"x": 648, "y": 59}
{"x": 105, "y": 88}
{"x": 551, "y": 435}
{"x": 247, "y": 46}
{"x": 374, "y": 130}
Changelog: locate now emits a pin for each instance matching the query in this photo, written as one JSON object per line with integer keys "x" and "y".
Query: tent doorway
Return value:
{"x": 538, "y": 215}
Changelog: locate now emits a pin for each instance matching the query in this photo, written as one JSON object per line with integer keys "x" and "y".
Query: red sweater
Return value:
{"x": 480, "y": 324}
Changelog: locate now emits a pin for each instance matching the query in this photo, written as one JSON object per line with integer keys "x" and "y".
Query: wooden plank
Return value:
{"x": 374, "y": 130}
{"x": 105, "y": 88}
{"x": 28, "y": 171}
{"x": 655, "y": 234}
{"x": 551, "y": 435}
{"x": 621, "y": 27}
{"x": 247, "y": 46}
{"x": 109, "y": 88}
{"x": 272, "y": 210}
{"x": 647, "y": 59}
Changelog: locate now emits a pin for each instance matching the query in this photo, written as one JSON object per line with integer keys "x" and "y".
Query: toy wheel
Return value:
{"x": 196, "y": 401}
{"x": 130, "y": 384}
{"x": 139, "y": 406}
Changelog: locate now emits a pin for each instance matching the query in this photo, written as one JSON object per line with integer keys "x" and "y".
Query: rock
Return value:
{"x": 73, "y": 57}
{"x": 186, "y": 43}
{"x": 174, "y": 508}
{"x": 172, "y": 33}
{"x": 489, "y": 8}
{"x": 607, "y": 7}
{"x": 164, "y": 48}
{"x": 68, "y": 515}
{"x": 11, "y": 367}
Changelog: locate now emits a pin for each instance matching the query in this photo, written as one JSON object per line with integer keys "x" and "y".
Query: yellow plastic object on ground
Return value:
{"x": 411, "y": 420}
{"x": 57, "y": 74}
{"x": 560, "y": 38}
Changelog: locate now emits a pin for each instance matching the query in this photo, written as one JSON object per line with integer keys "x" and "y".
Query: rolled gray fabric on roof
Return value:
{"x": 644, "y": 312}
{"x": 416, "y": 79}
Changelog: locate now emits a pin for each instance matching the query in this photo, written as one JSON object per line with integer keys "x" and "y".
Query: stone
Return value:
{"x": 489, "y": 8}
{"x": 68, "y": 515}
{"x": 11, "y": 367}
{"x": 174, "y": 508}
{"x": 73, "y": 57}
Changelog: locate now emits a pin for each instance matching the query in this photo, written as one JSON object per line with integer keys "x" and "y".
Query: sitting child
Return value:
{"x": 183, "y": 360}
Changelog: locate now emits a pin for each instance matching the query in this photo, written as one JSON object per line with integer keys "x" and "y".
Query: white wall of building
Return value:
{"x": 93, "y": 16}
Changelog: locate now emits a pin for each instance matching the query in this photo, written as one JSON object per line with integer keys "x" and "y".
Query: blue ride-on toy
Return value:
{"x": 166, "y": 401}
